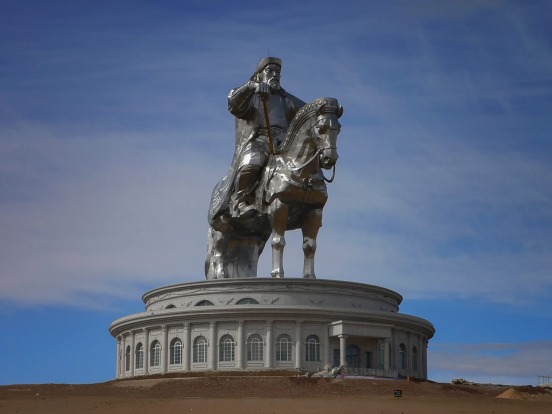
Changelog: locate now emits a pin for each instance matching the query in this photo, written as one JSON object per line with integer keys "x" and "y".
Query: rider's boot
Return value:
{"x": 244, "y": 184}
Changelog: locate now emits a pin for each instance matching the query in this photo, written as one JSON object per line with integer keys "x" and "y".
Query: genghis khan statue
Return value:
{"x": 248, "y": 104}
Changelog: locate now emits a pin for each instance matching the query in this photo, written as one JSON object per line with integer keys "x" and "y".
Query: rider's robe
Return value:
{"x": 248, "y": 109}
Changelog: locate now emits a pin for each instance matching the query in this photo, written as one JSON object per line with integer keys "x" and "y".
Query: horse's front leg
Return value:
{"x": 214, "y": 264}
{"x": 311, "y": 224}
{"x": 218, "y": 237}
{"x": 278, "y": 214}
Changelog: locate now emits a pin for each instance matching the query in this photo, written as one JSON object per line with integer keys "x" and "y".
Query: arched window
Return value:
{"x": 204, "y": 303}
{"x": 139, "y": 356}
{"x": 176, "y": 351}
{"x": 312, "y": 349}
{"x": 255, "y": 348}
{"x": 227, "y": 349}
{"x": 402, "y": 356}
{"x": 155, "y": 354}
{"x": 127, "y": 358}
{"x": 200, "y": 349}
{"x": 171, "y": 306}
{"x": 283, "y": 348}
{"x": 247, "y": 301}
{"x": 414, "y": 359}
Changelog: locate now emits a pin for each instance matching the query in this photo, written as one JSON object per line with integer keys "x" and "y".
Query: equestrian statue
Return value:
{"x": 276, "y": 181}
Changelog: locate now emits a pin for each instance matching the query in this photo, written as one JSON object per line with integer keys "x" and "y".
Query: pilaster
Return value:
{"x": 212, "y": 349}
{"x": 187, "y": 347}
{"x": 326, "y": 348}
{"x": 118, "y": 374}
{"x": 298, "y": 344}
{"x": 164, "y": 348}
{"x": 240, "y": 345}
{"x": 146, "y": 351}
{"x": 132, "y": 352}
{"x": 269, "y": 345}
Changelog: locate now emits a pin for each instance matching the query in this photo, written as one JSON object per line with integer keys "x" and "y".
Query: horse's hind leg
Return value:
{"x": 278, "y": 214}
{"x": 311, "y": 224}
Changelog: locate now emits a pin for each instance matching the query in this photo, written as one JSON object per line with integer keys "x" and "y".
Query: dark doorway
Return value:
{"x": 353, "y": 356}
{"x": 368, "y": 359}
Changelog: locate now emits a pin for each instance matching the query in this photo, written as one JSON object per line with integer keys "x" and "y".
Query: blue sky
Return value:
{"x": 114, "y": 130}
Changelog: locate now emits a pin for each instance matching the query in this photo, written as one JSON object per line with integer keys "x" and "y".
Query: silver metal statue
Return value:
{"x": 275, "y": 182}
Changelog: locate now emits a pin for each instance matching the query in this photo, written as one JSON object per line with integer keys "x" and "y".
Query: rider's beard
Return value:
{"x": 274, "y": 84}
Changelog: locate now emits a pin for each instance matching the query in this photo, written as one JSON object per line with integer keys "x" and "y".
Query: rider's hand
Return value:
{"x": 263, "y": 89}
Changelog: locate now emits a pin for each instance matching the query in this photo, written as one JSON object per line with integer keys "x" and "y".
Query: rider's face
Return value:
{"x": 271, "y": 75}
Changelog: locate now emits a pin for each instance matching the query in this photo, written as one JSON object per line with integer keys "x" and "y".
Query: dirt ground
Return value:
{"x": 237, "y": 394}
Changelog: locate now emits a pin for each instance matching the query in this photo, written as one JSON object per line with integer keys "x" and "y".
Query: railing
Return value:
{"x": 370, "y": 372}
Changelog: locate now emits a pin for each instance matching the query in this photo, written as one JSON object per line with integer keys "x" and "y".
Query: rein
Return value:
{"x": 307, "y": 182}
{"x": 308, "y": 162}
{"x": 333, "y": 175}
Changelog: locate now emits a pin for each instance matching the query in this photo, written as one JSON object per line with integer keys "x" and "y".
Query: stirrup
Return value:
{"x": 244, "y": 210}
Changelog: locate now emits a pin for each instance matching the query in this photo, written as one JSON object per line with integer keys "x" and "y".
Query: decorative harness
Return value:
{"x": 305, "y": 113}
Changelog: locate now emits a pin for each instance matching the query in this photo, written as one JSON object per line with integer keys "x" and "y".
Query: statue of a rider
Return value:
{"x": 235, "y": 193}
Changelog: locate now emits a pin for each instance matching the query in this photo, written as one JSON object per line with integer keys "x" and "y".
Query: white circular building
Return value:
{"x": 272, "y": 324}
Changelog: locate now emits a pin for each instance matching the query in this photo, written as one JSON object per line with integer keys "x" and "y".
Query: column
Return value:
{"x": 424, "y": 358}
{"x": 119, "y": 353}
{"x": 408, "y": 355}
{"x": 298, "y": 344}
{"x": 212, "y": 357}
{"x": 124, "y": 358}
{"x": 326, "y": 348}
{"x": 342, "y": 350}
{"x": 419, "y": 361}
{"x": 269, "y": 345}
{"x": 187, "y": 347}
{"x": 132, "y": 352}
{"x": 146, "y": 351}
{"x": 164, "y": 348}
{"x": 240, "y": 346}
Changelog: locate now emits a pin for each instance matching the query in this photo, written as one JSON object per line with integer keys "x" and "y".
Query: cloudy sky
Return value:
{"x": 114, "y": 129}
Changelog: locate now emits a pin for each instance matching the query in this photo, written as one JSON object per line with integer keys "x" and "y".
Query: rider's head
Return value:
{"x": 268, "y": 71}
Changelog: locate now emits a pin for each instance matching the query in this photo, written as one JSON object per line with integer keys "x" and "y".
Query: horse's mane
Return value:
{"x": 304, "y": 114}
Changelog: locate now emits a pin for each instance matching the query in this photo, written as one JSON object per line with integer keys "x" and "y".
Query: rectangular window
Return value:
{"x": 312, "y": 352}
{"x": 177, "y": 355}
{"x": 200, "y": 352}
{"x": 254, "y": 351}
{"x": 227, "y": 353}
{"x": 156, "y": 360}
{"x": 140, "y": 358}
{"x": 283, "y": 351}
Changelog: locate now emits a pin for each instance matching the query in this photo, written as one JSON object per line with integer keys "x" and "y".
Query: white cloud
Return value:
{"x": 435, "y": 194}
{"x": 92, "y": 216}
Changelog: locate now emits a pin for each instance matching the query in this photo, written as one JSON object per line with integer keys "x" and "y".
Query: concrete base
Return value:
{"x": 262, "y": 323}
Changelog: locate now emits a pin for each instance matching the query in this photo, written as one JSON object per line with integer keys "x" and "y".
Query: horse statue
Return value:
{"x": 291, "y": 195}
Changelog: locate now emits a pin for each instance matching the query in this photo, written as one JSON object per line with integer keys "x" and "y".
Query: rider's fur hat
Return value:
{"x": 266, "y": 61}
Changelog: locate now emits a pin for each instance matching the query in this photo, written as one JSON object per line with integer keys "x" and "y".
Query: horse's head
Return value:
{"x": 325, "y": 131}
